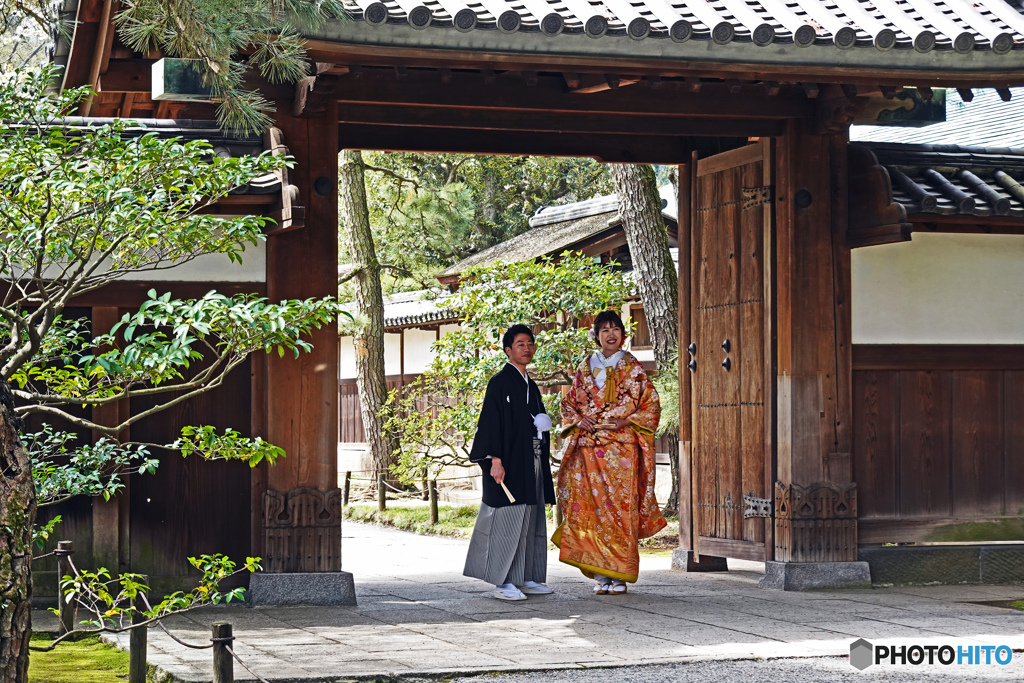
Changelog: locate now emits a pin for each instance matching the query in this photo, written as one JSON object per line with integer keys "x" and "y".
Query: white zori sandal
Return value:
{"x": 534, "y": 588}
{"x": 507, "y": 592}
{"x": 617, "y": 589}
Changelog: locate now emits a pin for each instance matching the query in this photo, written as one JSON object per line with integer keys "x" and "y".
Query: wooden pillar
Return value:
{"x": 302, "y": 394}
{"x": 684, "y": 221}
{"x": 110, "y": 518}
{"x": 813, "y": 351}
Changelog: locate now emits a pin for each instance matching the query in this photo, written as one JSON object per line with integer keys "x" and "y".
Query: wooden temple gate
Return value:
{"x": 764, "y": 241}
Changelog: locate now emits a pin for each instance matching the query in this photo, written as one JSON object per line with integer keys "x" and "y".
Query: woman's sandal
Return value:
{"x": 617, "y": 589}
{"x": 601, "y": 588}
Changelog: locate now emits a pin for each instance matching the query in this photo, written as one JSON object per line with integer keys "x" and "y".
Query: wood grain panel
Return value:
{"x": 1013, "y": 441}
{"x": 876, "y": 444}
{"x": 977, "y": 443}
{"x": 191, "y": 506}
{"x": 925, "y": 412}
{"x": 938, "y": 357}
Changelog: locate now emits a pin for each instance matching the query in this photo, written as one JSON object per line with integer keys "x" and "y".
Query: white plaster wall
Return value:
{"x": 215, "y": 268}
{"x": 445, "y": 329}
{"x": 392, "y": 354}
{"x": 347, "y": 363}
{"x": 940, "y": 289}
{"x": 417, "y": 350}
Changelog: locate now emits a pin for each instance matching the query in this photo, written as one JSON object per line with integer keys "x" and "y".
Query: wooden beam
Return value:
{"x": 1004, "y": 94}
{"x": 127, "y": 75}
{"x": 966, "y": 94}
{"x": 811, "y": 407}
{"x": 810, "y": 89}
{"x": 624, "y": 148}
{"x": 937, "y": 75}
{"x": 302, "y": 412}
{"x": 549, "y": 96}
{"x": 451, "y": 117}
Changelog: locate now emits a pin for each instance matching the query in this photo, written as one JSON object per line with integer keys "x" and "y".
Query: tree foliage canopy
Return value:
{"x": 81, "y": 208}
{"x": 429, "y": 211}
{"x": 553, "y": 296}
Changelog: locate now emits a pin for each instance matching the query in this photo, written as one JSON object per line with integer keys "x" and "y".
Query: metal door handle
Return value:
{"x": 692, "y": 348}
{"x": 726, "y": 346}
{"x": 727, "y": 364}
{"x": 692, "y": 365}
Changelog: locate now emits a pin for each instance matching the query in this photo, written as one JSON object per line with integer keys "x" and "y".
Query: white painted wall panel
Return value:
{"x": 214, "y": 268}
{"x": 417, "y": 350}
{"x": 940, "y": 289}
{"x": 347, "y": 363}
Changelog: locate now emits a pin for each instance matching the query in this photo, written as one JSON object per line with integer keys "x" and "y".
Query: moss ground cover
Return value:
{"x": 84, "y": 661}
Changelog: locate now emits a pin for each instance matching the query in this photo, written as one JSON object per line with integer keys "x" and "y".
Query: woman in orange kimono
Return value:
{"x": 606, "y": 479}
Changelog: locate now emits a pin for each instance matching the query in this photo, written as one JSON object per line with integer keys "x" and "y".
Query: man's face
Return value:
{"x": 522, "y": 350}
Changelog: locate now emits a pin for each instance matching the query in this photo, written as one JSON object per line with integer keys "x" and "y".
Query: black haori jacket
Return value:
{"x": 505, "y": 430}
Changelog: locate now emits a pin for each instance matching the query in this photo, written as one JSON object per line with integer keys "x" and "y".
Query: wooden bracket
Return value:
{"x": 286, "y": 210}
{"x": 877, "y": 218}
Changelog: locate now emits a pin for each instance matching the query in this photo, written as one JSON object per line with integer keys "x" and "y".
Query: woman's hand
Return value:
{"x": 497, "y": 470}
{"x": 587, "y": 424}
{"x": 619, "y": 422}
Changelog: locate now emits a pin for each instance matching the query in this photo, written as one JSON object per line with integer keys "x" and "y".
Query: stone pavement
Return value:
{"x": 417, "y": 614}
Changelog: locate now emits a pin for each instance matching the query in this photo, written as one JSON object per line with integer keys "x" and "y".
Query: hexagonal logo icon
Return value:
{"x": 862, "y": 654}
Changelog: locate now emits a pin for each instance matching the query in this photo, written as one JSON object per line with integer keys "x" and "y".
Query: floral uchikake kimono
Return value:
{"x": 606, "y": 480}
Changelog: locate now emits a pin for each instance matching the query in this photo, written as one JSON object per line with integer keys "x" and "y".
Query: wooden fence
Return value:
{"x": 938, "y": 439}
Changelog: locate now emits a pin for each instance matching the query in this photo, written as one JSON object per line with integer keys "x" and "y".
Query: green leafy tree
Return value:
{"x": 434, "y": 419}
{"x": 80, "y": 209}
{"x": 429, "y": 211}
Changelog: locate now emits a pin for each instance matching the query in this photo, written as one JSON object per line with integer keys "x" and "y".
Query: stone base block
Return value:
{"x": 808, "y": 576}
{"x": 683, "y": 560}
{"x": 314, "y": 588}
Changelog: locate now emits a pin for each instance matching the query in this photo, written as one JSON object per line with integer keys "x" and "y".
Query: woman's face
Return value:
{"x": 610, "y": 337}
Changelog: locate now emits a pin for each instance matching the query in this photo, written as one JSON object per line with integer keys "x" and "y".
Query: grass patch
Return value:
{"x": 451, "y": 521}
{"x": 967, "y": 532}
{"x": 84, "y": 661}
{"x": 1017, "y": 604}
{"x": 458, "y": 522}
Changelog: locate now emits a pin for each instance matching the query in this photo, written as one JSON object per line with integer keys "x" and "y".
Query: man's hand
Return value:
{"x": 587, "y": 424}
{"x": 497, "y": 471}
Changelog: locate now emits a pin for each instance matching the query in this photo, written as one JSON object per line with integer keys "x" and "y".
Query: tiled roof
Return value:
{"x": 953, "y": 179}
{"x": 555, "y": 228}
{"x": 951, "y": 25}
{"x": 187, "y": 130}
{"x": 985, "y": 121}
{"x": 409, "y": 309}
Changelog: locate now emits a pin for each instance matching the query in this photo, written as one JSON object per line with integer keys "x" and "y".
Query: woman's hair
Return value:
{"x": 606, "y": 318}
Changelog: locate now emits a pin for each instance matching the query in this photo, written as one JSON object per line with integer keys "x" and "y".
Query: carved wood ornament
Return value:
{"x": 302, "y": 530}
{"x": 815, "y": 523}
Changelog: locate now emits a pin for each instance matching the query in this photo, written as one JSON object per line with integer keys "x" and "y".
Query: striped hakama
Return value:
{"x": 510, "y": 544}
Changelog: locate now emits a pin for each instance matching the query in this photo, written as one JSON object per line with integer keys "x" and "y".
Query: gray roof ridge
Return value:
{"x": 558, "y": 213}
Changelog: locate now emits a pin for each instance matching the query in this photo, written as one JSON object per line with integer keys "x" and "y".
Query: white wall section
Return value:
{"x": 940, "y": 288}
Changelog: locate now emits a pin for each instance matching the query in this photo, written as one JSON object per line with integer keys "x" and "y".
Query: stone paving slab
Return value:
{"x": 417, "y": 615}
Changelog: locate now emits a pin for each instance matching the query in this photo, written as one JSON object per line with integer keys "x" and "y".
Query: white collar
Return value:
{"x": 598, "y": 360}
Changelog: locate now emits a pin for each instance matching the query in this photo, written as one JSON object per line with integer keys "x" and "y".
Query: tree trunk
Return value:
{"x": 17, "y": 515}
{"x": 656, "y": 279}
{"x": 369, "y": 341}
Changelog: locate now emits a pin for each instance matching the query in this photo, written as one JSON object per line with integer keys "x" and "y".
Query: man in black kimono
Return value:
{"x": 509, "y": 543}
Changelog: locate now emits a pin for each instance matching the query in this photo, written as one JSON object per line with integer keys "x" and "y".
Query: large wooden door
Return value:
{"x": 731, "y": 352}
